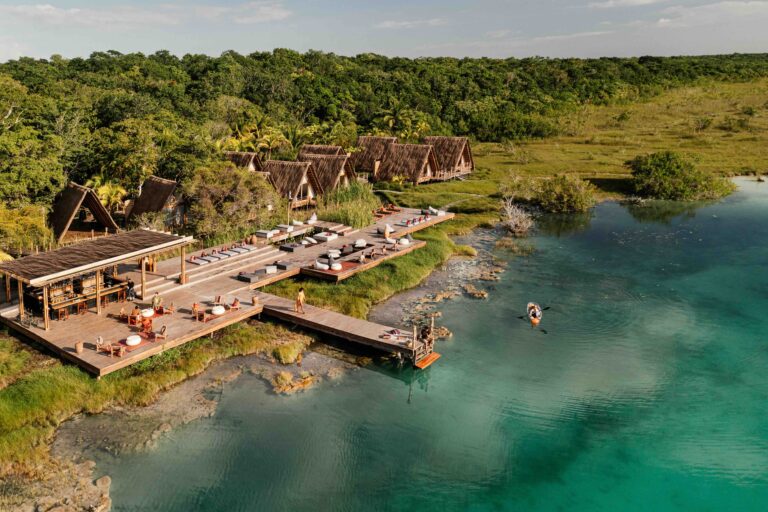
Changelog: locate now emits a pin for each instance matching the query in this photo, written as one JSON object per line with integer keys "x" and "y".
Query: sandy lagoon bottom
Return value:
{"x": 647, "y": 391}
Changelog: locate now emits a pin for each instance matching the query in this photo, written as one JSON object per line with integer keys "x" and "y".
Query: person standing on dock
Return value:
{"x": 131, "y": 292}
{"x": 299, "y": 306}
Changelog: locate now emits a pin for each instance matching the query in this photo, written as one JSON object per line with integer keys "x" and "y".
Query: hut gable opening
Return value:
{"x": 71, "y": 212}
{"x": 294, "y": 179}
{"x": 453, "y": 154}
{"x": 371, "y": 152}
{"x": 332, "y": 171}
{"x": 411, "y": 162}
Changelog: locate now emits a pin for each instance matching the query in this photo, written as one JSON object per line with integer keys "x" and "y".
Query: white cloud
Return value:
{"x": 714, "y": 13}
{"x": 608, "y": 4}
{"x": 432, "y": 22}
{"x": 164, "y": 14}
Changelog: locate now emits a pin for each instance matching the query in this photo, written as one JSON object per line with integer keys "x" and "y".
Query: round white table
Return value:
{"x": 133, "y": 340}
{"x": 148, "y": 313}
{"x": 218, "y": 310}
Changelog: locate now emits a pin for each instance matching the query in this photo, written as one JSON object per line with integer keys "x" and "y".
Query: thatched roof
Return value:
{"x": 328, "y": 169}
{"x": 286, "y": 177}
{"x": 68, "y": 203}
{"x": 371, "y": 149}
{"x": 245, "y": 159}
{"x": 448, "y": 151}
{"x": 4, "y": 256}
{"x": 320, "y": 149}
{"x": 88, "y": 256}
{"x": 155, "y": 193}
{"x": 407, "y": 160}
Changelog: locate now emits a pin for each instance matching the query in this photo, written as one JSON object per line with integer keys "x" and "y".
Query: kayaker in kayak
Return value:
{"x": 534, "y": 313}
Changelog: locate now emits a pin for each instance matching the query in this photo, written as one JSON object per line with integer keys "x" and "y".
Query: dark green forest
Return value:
{"x": 115, "y": 119}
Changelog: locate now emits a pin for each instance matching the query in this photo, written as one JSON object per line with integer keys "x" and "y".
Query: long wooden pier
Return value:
{"x": 345, "y": 327}
{"x": 221, "y": 279}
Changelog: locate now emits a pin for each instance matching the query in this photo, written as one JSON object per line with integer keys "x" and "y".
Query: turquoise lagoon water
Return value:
{"x": 648, "y": 391}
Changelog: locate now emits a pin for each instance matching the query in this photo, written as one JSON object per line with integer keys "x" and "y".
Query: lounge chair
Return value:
{"x": 235, "y": 306}
{"x": 217, "y": 301}
{"x": 134, "y": 319}
{"x": 169, "y": 310}
{"x": 162, "y": 334}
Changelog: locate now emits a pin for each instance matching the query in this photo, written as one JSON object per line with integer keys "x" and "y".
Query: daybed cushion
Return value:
{"x": 321, "y": 266}
{"x": 336, "y": 266}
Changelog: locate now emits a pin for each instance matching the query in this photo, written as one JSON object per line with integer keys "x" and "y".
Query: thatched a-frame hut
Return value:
{"x": 72, "y": 202}
{"x": 245, "y": 159}
{"x": 321, "y": 149}
{"x": 296, "y": 180}
{"x": 156, "y": 196}
{"x": 415, "y": 163}
{"x": 332, "y": 171}
{"x": 454, "y": 156}
{"x": 370, "y": 152}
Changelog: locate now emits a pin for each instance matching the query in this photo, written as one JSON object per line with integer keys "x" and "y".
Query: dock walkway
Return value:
{"x": 341, "y": 326}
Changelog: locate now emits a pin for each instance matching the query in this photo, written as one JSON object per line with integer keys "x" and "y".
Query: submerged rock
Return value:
{"x": 472, "y": 291}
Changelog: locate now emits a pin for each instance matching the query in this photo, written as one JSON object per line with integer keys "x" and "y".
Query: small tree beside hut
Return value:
{"x": 230, "y": 202}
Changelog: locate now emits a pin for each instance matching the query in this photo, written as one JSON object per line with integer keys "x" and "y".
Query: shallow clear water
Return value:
{"x": 648, "y": 391}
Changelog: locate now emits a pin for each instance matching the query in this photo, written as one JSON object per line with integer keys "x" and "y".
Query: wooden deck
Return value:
{"x": 338, "y": 325}
{"x": 351, "y": 267}
{"x": 221, "y": 279}
{"x": 182, "y": 327}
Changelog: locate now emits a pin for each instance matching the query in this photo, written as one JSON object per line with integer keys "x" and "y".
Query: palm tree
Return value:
{"x": 294, "y": 135}
{"x": 108, "y": 190}
{"x": 395, "y": 116}
{"x": 272, "y": 141}
{"x": 111, "y": 195}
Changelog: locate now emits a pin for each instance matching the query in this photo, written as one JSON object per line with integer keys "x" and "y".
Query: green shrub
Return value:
{"x": 564, "y": 193}
{"x": 352, "y": 205}
{"x": 667, "y": 175}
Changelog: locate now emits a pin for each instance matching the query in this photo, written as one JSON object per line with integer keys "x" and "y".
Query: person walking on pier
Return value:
{"x": 131, "y": 292}
{"x": 299, "y": 306}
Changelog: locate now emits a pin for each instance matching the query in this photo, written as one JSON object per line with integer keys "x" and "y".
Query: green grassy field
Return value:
{"x": 724, "y": 127}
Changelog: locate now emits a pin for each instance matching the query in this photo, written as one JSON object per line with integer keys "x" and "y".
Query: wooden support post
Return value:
{"x": 98, "y": 292}
{"x": 143, "y": 276}
{"x": 21, "y": 298}
{"x": 8, "y": 288}
{"x": 183, "y": 275}
{"x": 46, "y": 315}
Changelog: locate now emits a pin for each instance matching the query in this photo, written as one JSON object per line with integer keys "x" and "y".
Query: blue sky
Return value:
{"x": 493, "y": 28}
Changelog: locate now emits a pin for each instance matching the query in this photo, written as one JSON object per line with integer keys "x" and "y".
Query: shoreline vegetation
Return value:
{"x": 131, "y": 115}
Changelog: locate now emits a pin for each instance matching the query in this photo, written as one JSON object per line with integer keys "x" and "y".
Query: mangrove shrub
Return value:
{"x": 667, "y": 175}
{"x": 564, "y": 194}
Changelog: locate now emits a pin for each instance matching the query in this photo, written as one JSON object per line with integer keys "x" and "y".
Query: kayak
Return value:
{"x": 534, "y": 313}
